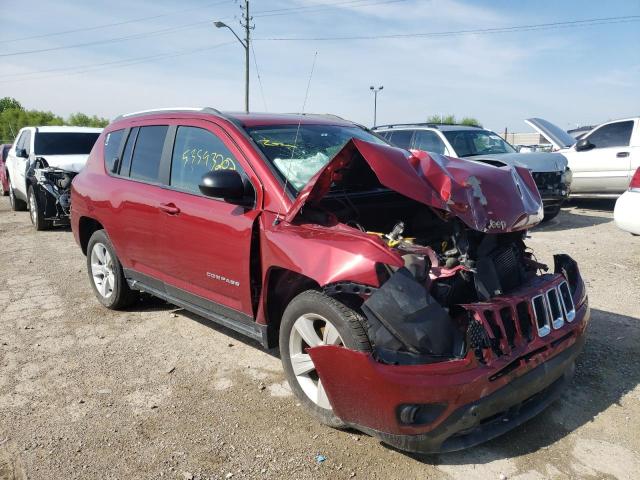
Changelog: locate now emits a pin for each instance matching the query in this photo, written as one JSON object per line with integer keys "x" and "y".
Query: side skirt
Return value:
{"x": 212, "y": 311}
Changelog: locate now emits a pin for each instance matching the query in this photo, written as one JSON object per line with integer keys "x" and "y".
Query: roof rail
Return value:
{"x": 426, "y": 124}
{"x": 210, "y": 110}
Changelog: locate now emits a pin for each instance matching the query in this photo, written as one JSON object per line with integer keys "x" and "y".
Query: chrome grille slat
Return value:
{"x": 567, "y": 301}
{"x": 555, "y": 309}
{"x": 541, "y": 314}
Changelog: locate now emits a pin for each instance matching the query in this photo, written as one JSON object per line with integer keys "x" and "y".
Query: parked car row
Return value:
{"x": 40, "y": 166}
{"x": 395, "y": 282}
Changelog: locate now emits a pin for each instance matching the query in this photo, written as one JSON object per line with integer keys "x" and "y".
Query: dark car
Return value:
{"x": 4, "y": 178}
{"x": 397, "y": 285}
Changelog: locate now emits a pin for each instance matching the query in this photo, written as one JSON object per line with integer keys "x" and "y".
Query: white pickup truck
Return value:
{"x": 603, "y": 160}
{"x": 41, "y": 164}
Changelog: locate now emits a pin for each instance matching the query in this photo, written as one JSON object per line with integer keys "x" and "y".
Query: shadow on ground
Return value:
{"x": 580, "y": 213}
{"x": 600, "y": 381}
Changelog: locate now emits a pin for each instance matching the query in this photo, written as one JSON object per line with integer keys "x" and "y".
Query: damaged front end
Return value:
{"x": 472, "y": 336}
{"x": 52, "y": 186}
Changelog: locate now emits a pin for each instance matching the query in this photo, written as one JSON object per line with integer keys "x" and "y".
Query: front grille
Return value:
{"x": 547, "y": 180}
{"x": 509, "y": 326}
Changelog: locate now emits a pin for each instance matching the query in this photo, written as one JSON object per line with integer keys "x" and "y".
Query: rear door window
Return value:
{"x": 616, "y": 134}
{"x": 428, "y": 141}
{"x": 112, "y": 143}
{"x": 401, "y": 138}
{"x": 197, "y": 151}
{"x": 147, "y": 154}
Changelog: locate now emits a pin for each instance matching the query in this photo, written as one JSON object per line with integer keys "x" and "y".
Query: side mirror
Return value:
{"x": 583, "y": 145}
{"x": 21, "y": 153}
{"x": 225, "y": 184}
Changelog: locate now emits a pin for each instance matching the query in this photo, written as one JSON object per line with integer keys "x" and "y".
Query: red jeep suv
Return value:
{"x": 396, "y": 283}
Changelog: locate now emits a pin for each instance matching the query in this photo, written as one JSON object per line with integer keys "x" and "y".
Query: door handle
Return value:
{"x": 169, "y": 208}
{"x": 622, "y": 154}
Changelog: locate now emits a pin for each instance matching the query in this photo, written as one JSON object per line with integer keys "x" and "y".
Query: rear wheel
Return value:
{"x": 313, "y": 319}
{"x": 106, "y": 274}
{"x": 17, "y": 205}
{"x": 36, "y": 212}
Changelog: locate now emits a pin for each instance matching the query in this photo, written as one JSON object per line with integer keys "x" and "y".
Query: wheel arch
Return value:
{"x": 281, "y": 286}
{"x": 86, "y": 227}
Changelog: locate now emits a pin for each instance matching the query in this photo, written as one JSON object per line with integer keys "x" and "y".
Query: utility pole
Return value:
{"x": 245, "y": 23}
{"x": 246, "y": 18}
{"x": 375, "y": 102}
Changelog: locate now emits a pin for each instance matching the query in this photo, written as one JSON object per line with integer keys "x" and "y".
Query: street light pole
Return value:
{"x": 246, "y": 45}
{"x": 375, "y": 102}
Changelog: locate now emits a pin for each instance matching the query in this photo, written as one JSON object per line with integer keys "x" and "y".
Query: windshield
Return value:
{"x": 468, "y": 143}
{"x": 58, "y": 143}
{"x": 298, "y": 152}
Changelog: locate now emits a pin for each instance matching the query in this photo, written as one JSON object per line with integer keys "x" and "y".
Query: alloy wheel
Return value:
{"x": 311, "y": 330}
{"x": 102, "y": 270}
{"x": 33, "y": 207}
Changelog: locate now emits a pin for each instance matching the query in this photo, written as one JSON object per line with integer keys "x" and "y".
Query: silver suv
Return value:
{"x": 549, "y": 170}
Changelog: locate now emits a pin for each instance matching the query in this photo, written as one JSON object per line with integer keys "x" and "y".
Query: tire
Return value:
{"x": 309, "y": 313}
{"x": 106, "y": 274}
{"x": 17, "y": 205}
{"x": 36, "y": 212}
{"x": 550, "y": 214}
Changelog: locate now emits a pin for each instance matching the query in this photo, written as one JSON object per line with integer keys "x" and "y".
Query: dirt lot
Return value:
{"x": 155, "y": 392}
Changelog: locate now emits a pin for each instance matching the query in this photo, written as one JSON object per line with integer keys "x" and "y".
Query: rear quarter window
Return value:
{"x": 112, "y": 148}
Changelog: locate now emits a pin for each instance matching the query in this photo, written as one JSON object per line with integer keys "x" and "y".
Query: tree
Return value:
{"x": 13, "y": 117}
{"x": 84, "y": 120}
{"x": 9, "y": 102}
{"x": 451, "y": 120}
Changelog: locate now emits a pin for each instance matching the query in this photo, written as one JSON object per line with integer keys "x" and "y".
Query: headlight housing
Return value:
{"x": 567, "y": 177}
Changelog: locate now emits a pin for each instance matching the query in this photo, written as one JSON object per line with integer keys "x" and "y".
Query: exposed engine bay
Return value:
{"x": 52, "y": 185}
{"x": 416, "y": 315}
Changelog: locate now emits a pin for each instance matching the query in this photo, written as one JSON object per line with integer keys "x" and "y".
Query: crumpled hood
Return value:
{"x": 484, "y": 197}
{"x": 71, "y": 163}
{"x": 534, "y": 161}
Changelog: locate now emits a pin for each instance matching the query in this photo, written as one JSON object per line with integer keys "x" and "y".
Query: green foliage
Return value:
{"x": 451, "y": 120}
{"x": 84, "y": 120}
{"x": 13, "y": 117}
{"x": 8, "y": 102}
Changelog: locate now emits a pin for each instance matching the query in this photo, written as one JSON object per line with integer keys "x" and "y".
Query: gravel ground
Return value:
{"x": 155, "y": 392}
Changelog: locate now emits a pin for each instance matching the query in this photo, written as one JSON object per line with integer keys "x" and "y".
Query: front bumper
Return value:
{"x": 553, "y": 190}
{"x": 475, "y": 398}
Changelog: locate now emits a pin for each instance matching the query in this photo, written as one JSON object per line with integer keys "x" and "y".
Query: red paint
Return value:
{"x": 179, "y": 239}
{"x": 4, "y": 177}
{"x": 484, "y": 197}
{"x": 366, "y": 393}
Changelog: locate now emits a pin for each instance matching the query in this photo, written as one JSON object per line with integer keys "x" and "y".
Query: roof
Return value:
{"x": 67, "y": 129}
{"x": 246, "y": 119}
{"x": 424, "y": 126}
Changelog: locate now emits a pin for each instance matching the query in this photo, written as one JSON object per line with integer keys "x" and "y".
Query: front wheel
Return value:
{"x": 313, "y": 319}
{"x": 550, "y": 214}
{"x": 17, "y": 205}
{"x": 106, "y": 274}
{"x": 36, "y": 212}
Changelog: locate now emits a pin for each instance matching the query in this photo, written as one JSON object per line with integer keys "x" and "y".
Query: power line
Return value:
{"x": 115, "y": 24}
{"x": 174, "y": 29}
{"x": 326, "y": 6}
{"x": 115, "y": 64}
{"x": 517, "y": 28}
{"x": 255, "y": 62}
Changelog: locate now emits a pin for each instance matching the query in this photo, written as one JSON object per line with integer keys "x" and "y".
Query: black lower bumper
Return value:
{"x": 497, "y": 413}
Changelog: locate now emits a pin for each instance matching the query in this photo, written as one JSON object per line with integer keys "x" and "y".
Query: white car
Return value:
{"x": 41, "y": 164}
{"x": 603, "y": 160}
{"x": 549, "y": 170}
{"x": 627, "y": 210}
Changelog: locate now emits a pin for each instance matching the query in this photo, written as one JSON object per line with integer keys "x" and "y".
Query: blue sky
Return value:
{"x": 569, "y": 76}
